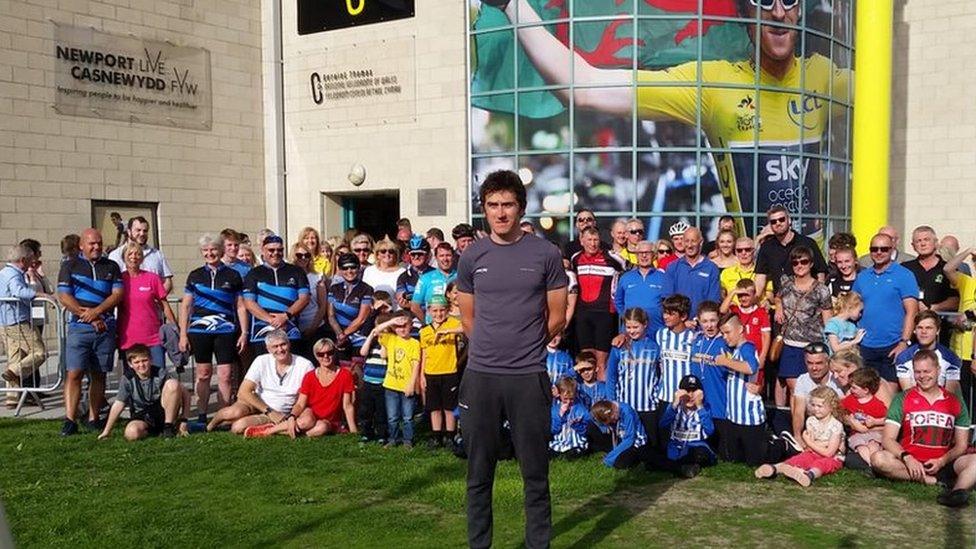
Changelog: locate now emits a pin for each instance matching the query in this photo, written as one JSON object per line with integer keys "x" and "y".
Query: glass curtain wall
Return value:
{"x": 666, "y": 110}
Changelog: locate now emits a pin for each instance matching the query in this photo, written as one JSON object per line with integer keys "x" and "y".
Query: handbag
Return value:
{"x": 776, "y": 348}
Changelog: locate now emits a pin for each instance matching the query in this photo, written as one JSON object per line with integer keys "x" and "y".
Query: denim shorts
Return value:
{"x": 87, "y": 349}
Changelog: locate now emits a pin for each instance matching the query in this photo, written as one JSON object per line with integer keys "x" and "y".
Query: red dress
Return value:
{"x": 326, "y": 401}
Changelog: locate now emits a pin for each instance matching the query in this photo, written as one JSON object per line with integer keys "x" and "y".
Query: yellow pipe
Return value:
{"x": 872, "y": 119}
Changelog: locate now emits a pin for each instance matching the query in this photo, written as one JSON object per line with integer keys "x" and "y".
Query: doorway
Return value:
{"x": 375, "y": 214}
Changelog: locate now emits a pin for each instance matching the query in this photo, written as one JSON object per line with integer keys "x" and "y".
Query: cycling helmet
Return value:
{"x": 418, "y": 244}
{"x": 678, "y": 228}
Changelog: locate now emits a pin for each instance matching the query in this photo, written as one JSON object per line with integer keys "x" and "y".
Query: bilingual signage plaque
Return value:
{"x": 103, "y": 75}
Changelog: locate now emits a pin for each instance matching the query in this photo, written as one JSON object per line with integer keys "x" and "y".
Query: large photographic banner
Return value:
{"x": 666, "y": 109}
{"x": 103, "y": 75}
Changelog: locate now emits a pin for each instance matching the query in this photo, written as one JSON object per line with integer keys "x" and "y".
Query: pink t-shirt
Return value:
{"x": 138, "y": 313}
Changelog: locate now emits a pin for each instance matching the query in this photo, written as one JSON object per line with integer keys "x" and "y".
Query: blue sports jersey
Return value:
{"x": 374, "y": 370}
{"x": 714, "y": 378}
{"x": 215, "y": 293}
{"x": 274, "y": 290}
{"x": 743, "y": 407}
{"x": 950, "y": 365}
{"x": 433, "y": 282}
{"x": 627, "y": 433}
{"x": 90, "y": 283}
{"x": 559, "y": 365}
{"x": 240, "y": 267}
{"x": 593, "y": 393}
{"x": 646, "y": 292}
{"x": 346, "y": 300}
{"x": 689, "y": 429}
{"x": 632, "y": 375}
{"x": 569, "y": 429}
{"x": 675, "y": 350}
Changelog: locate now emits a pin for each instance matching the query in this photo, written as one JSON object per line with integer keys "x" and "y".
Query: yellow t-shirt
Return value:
{"x": 790, "y": 122}
{"x": 440, "y": 354}
{"x": 962, "y": 342}
{"x": 732, "y": 275}
{"x": 401, "y": 355}
{"x": 628, "y": 256}
{"x": 321, "y": 265}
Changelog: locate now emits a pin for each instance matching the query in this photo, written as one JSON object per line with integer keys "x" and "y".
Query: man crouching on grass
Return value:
{"x": 269, "y": 389}
{"x": 155, "y": 400}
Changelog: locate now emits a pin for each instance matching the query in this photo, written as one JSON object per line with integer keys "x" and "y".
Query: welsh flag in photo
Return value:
{"x": 660, "y": 43}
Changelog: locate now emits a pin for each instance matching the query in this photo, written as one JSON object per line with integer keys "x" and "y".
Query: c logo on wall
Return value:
{"x": 103, "y": 75}
{"x": 321, "y": 15}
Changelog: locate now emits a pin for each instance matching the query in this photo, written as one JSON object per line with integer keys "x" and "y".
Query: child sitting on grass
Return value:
{"x": 866, "y": 412}
{"x": 156, "y": 400}
{"x": 629, "y": 438}
{"x": 569, "y": 420}
{"x": 591, "y": 389}
{"x": 824, "y": 439}
{"x": 690, "y": 425}
{"x": 402, "y": 370}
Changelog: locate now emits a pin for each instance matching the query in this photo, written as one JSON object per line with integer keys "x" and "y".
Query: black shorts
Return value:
{"x": 442, "y": 392}
{"x": 207, "y": 346}
{"x": 153, "y": 418}
{"x": 595, "y": 330}
{"x": 947, "y": 474}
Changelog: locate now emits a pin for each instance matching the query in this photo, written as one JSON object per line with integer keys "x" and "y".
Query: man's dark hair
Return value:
{"x": 590, "y": 230}
{"x": 32, "y": 245}
{"x": 929, "y": 315}
{"x": 403, "y": 222}
{"x": 444, "y": 246}
{"x": 777, "y": 209}
{"x": 926, "y": 354}
{"x": 436, "y": 233}
{"x": 842, "y": 240}
{"x": 132, "y": 221}
{"x": 70, "y": 244}
{"x": 677, "y": 303}
{"x": 584, "y": 210}
{"x": 726, "y": 217}
{"x": 801, "y": 251}
{"x": 708, "y": 307}
{"x": 230, "y": 234}
{"x": 501, "y": 181}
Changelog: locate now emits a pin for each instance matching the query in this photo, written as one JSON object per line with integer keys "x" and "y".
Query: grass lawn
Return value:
{"x": 223, "y": 491}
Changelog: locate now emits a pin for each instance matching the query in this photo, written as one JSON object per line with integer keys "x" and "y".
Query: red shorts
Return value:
{"x": 808, "y": 459}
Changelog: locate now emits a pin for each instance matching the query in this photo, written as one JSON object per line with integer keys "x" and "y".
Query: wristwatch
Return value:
{"x": 907, "y": 342}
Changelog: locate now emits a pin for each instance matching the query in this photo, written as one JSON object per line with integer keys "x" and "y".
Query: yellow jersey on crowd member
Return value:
{"x": 440, "y": 347}
{"x": 962, "y": 340}
{"x": 401, "y": 357}
{"x": 773, "y": 148}
{"x": 731, "y": 276}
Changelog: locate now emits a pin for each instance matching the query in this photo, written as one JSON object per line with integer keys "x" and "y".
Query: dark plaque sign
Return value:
{"x": 325, "y": 15}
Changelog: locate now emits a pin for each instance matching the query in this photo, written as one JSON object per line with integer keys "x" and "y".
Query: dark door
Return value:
{"x": 374, "y": 214}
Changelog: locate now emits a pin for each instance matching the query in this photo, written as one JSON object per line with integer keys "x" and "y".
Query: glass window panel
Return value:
{"x": 541, "y": 133}
{"x": 560, "y": 56}
{"x": 553, "y": 228}
{"x": 595, "y": 129}
{"x": 604, "y": 181}
{"x": 592, "y": 8}
{"x": 817, "y": 16}
{"x": 842, "y": 21}
{"x": 840, "y": 132}
{"x": 667, "y": 133}
{"x": 668, "y": 183}
{"x": 544, "y": 10}
{"x": 547, "y": 190}
{"x": 492, "y": 61}
{"x": 605, "y": 44}
{"x": 492, "y": 131}
{"x": 816, "y": 44}
{"x": 480, "y": 168}
{"x": 842, "y": 80}
{"x": 484, "y": 16}
{"x": 668, "y": 43}
{"x": 838, "y": 183}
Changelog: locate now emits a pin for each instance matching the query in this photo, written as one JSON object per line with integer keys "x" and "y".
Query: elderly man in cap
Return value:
{"x": 275, "y": 292}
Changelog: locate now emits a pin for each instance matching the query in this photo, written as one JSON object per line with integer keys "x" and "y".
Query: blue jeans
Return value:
{"x": 399, "y": 408}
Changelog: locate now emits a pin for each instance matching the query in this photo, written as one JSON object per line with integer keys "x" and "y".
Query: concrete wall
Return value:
{"x": 427, "y": 150}
{"x": 52, "y": 165}
{"x": 933, "y": 156}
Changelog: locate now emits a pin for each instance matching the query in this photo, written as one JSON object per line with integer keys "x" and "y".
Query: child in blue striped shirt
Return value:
{"x": 559, "y": 363}
{"x": 569, "y": 418}
{"x": 632, "y": 370}
{"x": 591, "y": 391}
{"x": 746, "y": 440}
{"x": 629, "y": 438}
{"x": 690, "y": 424}
{"x": 674, "y": 342}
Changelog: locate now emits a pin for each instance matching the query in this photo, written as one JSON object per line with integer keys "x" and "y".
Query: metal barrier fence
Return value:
{"x": 36, "y": 353}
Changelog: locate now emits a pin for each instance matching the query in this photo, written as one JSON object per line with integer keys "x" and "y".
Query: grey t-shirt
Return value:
{"x": 142, "y": 394}
{"x": 509, "y": 284}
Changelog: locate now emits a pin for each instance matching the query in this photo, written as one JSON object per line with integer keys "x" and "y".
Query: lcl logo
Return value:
{"x": 355, "y": 10}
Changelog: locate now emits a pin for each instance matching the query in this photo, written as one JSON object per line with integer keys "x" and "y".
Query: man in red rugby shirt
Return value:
{"x": 926, "y": 435}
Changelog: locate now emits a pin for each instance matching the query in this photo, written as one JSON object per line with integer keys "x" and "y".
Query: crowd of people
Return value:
{"x": 678, "y": 353}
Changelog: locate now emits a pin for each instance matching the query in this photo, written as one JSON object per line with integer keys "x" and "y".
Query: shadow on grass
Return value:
{"x": 402, "y": 490}
{"x": 607, "y": 511}
{"x": 955, "y": 533}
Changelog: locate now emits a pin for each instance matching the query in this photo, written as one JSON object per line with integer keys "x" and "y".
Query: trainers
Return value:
{"x": 434, "y": 444}
{"x": 690, "y": 471}
{"x": 953, "y": 498}
{"x": 259, "y": 431}
{"x": 389, "y": 444}
{"x": 408, "y": 446}
{"x": 9, "y": 375}
{"x": 790, "y": 441}
{"x": 95, "y": 425}
{"x": 69, "y": 428}
{"x": 196, "y": 426}
{"x": 168, "y": 431}
{"x": 202, "y": 418}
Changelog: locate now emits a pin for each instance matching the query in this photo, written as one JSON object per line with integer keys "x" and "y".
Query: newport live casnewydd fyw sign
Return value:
{"x": 103, "y": 75}
{"x": 325, "y": 15}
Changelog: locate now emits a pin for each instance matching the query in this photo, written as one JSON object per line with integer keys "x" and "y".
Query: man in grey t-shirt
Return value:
{"x": 512, "y": 294}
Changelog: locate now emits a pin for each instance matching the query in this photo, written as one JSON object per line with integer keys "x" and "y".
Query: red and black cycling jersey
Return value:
{"x": 597, "y": 278}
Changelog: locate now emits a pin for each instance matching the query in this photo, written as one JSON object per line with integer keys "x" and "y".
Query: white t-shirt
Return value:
{"x": 805, "y": 384}
{"x": 823, "y": 431}
{"x": 278, "y": 392}
{"x": 382, "y": 281}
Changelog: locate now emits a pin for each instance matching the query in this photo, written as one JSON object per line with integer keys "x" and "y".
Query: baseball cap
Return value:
{"x": 462, "y": 230}
{"x": 690, "y": 383}
{"x": 346, "y": 261}
{"x": 678, "y": 228}
{"x": 418, "y": 244}
{"x": 272, "y": 239}
{"x": 437, "y": 300}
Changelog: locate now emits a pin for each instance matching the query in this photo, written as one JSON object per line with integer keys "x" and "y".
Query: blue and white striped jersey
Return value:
{"x": 632, "y": 375}
{"x": 559, "y": 365}
{"x": 591, "y": 394}
{"x": 744, "y": 408}
{"x": 675, "y": 350}
{"x": 569, "y": 430}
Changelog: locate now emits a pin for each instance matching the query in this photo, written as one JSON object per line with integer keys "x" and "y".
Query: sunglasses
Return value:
{"x": 323, "y": 354}
{"x": 769, "y": 4}
{"x": 663, "y": 251}
{"x": 815, "y": 348}
{"x": 276, "y": 250}
{"x": 418, "y": 254}
{"x": 800, "y": 262}
{"x": 880, "y": 249}
{"x": 743, "y": 250}
{"x": 386, "y": 252}
{"x": 348, "y": 267}
{"x": 585, "y": 219}
{"x": 360, "y": 250}
{"x": 636, "y": 231}
{"x": 587, "y": 369}
{"x": 778, "y": 220}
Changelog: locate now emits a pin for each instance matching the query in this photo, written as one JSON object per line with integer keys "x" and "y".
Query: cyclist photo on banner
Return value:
{"x": 768, "y": 104}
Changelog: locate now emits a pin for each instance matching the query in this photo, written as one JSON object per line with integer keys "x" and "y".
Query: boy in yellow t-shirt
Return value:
{"x": 439, "y": 369}
{"x": 402, "y": 369}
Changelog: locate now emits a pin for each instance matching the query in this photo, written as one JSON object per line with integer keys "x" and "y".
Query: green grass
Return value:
{"x": 224, "y": 491}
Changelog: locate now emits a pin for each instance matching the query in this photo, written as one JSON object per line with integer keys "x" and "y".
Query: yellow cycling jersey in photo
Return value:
{"x": 791, "y": 125}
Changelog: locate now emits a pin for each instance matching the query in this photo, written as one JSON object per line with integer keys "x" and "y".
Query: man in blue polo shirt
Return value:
{"x": 890, "y": 295}
{"x": 642, "y": 286}
{"x": 434, "y": 282}
{"x": 89, "y": 287}
{"x": 693, "y": 275}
